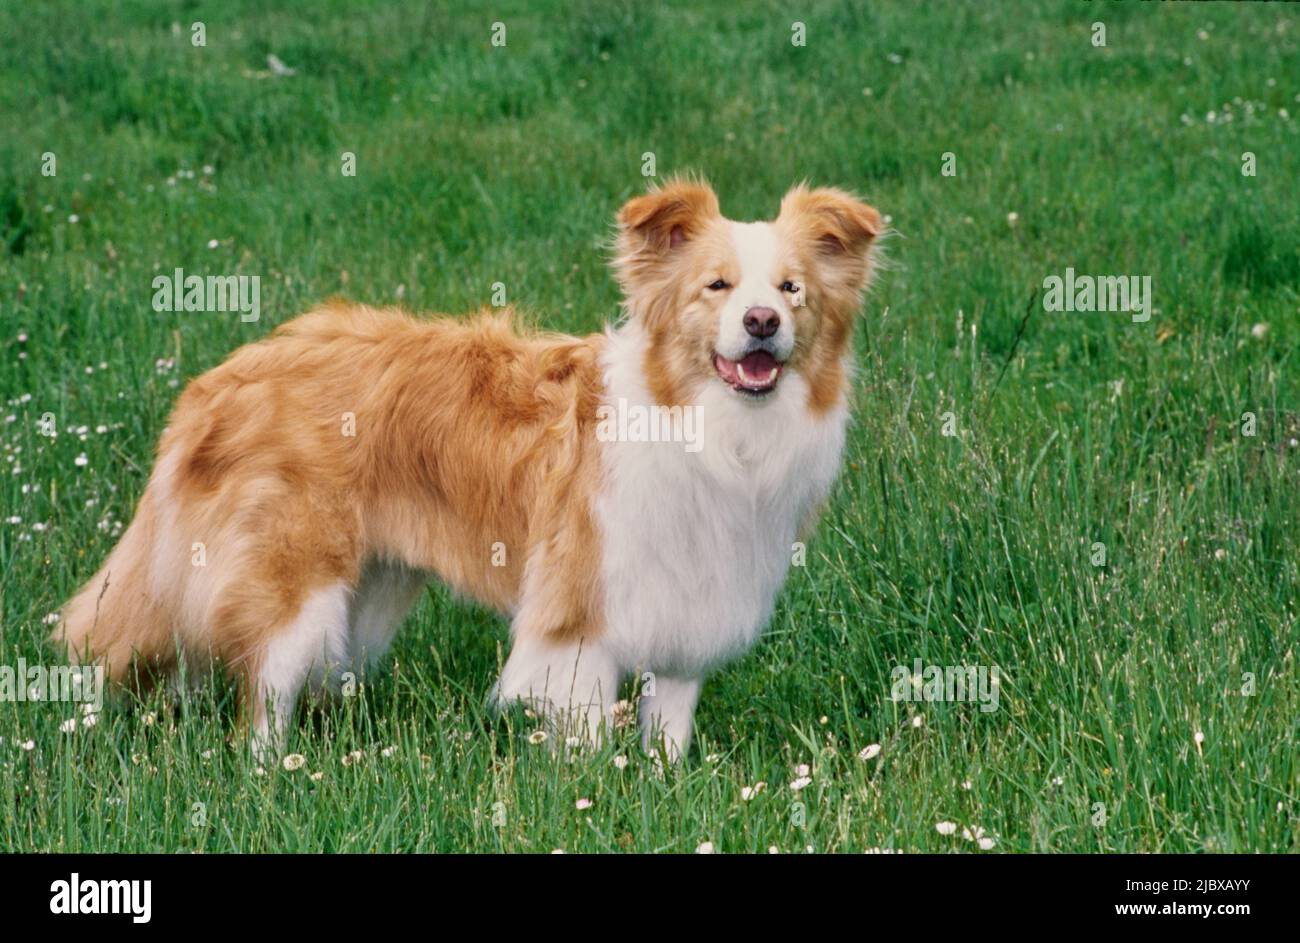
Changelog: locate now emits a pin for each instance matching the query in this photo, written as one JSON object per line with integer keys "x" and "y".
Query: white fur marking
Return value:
{"x": 759, "y": 251}
{"x": 696, "y": 546}
{"x": 309, "y": 647}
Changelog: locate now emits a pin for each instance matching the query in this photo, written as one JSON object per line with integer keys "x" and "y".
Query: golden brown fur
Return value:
{"x": 467, "y": 435}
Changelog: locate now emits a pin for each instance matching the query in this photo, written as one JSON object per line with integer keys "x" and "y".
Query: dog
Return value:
{"x": 308, "y": 488}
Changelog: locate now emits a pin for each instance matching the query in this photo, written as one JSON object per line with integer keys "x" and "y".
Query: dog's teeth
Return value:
{"x": 744, "y": 377}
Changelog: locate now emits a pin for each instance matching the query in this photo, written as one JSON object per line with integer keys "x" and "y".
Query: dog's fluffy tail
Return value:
{"x": 116, "y": 617}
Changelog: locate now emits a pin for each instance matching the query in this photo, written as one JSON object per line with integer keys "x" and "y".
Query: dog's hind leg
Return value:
{"x": 300, "y": 650}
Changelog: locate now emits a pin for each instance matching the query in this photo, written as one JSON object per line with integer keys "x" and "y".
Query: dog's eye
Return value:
{"x": 719, "y": 285}
{"x": 789, "y": 287}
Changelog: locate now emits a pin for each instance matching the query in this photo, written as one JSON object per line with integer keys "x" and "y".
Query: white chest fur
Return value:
{"x": 697, "y": 543}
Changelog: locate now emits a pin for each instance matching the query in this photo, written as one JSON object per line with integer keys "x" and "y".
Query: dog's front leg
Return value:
{"x": 574, "y": 685}
{"x": 667, "y": 714}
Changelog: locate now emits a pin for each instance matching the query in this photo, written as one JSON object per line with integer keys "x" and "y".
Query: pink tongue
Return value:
{"x": 759, "y": 366}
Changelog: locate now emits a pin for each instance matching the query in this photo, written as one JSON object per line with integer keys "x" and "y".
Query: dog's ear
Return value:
{"x": 839, "y": 228}
{"x": 667, "y": 216}
{"x": 651, "y": 226}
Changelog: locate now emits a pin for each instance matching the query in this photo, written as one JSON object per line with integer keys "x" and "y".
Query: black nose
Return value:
{"x": 761, "y": 322}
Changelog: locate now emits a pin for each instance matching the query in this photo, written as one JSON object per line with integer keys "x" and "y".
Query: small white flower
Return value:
{"x": 294, "y": 761}
{"x": 620, "y": 762}
{"x": 1220, "y": 554}
{"x": 1058, "y": 781}
{"x": 28, "y": 745}
{"x": 317, "y": 777}
{"x": 1259, "y": 331}
{"x": 74, "y": 218}
{"x": 582, "y": 804}
{"x": 1013, "y": 217}
{"x": 90, "y": 720}
{"x": 918, "y": 720}
{"x": 870, "y": 752}
{"x": 81, "y": 461}
{"x": 353, "y": 757}
{"x": 945, "y": 828}
{"x": 149, "y": 719}
{"x": 749, "y": 792}
{"x": 212, "y": 243}
{"x": 388, "y": 751}
{"x": 557, "y": 851}
{"x": 704, "y": 848}
{"x": 69, "y": 725}
{"x": 967, "y": 785}
{"x": 624, "y": 714}
{"x": 801, "y": 783}
{"x": 986, "y": 843}
{"x": 537, "y": 736}
{"x": 51, "y": 618}
{"x": 802, "y": 770}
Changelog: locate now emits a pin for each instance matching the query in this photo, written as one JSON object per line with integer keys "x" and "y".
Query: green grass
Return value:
{"x": 478, "y": 164}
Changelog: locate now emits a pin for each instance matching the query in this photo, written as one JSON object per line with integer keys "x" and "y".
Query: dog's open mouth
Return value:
{"x": 754, "y": 373}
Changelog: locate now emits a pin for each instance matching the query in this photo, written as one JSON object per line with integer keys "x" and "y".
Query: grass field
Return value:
{"x": 1149, "y": 703}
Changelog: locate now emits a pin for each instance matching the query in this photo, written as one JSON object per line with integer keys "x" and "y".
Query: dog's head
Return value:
{"x": 744, "y": 303}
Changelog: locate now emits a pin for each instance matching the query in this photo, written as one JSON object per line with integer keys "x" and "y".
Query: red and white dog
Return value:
{"x": 306, "y": 489}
